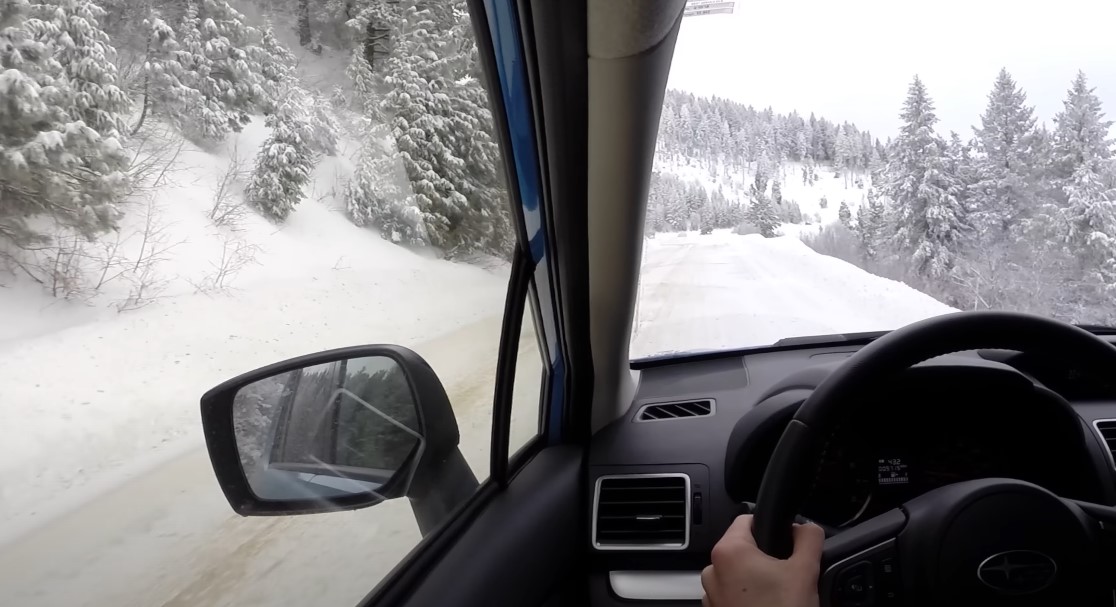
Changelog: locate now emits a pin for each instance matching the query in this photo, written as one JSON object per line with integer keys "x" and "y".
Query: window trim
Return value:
{"x": 507, "y": 357}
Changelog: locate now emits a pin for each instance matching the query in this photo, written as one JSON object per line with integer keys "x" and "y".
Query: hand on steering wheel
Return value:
{"x": 743, "y": 576}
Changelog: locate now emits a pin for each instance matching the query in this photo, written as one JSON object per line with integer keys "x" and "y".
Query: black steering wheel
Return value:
{"x": 991, "y": 541}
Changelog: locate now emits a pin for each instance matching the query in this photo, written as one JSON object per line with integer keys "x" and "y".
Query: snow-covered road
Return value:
{"x": 723, "y": 290}
{"x": 168, "y": 537}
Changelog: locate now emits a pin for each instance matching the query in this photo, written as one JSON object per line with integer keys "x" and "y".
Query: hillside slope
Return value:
{"x": 98, "y": 394}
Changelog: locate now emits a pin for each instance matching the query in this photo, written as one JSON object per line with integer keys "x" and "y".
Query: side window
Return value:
{"x": 335, "y": 179}
{"x": 530, "y": 380}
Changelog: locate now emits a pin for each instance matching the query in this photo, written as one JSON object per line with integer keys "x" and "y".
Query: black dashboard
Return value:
{"x": 969, "y": 415}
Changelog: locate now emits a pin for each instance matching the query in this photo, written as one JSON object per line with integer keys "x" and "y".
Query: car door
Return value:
{"x": 361, "y": 426}
{"x": 517, "y": 541}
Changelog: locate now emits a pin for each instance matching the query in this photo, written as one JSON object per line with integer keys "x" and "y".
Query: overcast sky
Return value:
{"x": 854, "y": 60}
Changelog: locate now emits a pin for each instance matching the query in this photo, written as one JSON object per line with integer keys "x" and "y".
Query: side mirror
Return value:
{"x": 337, "y": 430}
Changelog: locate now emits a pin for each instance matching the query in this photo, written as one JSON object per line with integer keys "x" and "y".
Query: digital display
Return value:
{"x": 892, "y": 471}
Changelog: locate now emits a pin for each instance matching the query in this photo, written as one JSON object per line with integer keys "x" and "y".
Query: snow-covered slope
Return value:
{"x": 734, "y": 184}
{"x": 88, "y": 392}
{"x": 723, "y": 290}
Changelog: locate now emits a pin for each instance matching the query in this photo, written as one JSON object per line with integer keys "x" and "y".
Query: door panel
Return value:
{"x": 523, "y": 545}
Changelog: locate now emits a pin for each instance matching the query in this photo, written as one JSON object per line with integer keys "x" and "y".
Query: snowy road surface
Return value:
{"x": 169, "y": 538}
{"x": 723, "y": 290}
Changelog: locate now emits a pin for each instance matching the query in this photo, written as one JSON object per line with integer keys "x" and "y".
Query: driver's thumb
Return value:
{"x": 808, "y": 540}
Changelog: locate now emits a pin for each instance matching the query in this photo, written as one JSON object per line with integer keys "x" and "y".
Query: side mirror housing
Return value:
{"x": 338, "y": 430}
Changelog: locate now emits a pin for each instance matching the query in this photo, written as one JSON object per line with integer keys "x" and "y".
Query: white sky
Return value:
{"x": 854, "y": 60}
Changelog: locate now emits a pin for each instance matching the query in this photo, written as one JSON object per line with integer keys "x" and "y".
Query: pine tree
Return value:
{"x": 959, "y": 172}
{"x": 929, "y": 219}
{"x": 1090, "y": 216}
{"x": 844, "y": 214}
{"x": 1004, "y": 193}
{"x": 1084, "y": 216}
{"x": 284, "y": 162}
{"x": 276, "y": 69}
{"x": 235, "y": 80}
{"x": 380, "y": 196}
{"x": 50, "y": 165}
{"x": 218, "y": 65}
{"x": 762, "y": 215}
{"x": 1081, "y": 135}
{"x": 323, "y": 126}
{"x": 870, "y": 224}
{"x": 844, "y": 153}
{"x": 82, "y": 49}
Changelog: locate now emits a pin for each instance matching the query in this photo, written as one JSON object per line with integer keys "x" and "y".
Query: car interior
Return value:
{"x": 964, "y": 459}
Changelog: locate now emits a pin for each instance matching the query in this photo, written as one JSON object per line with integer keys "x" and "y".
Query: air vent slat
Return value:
{"x": 642, "y": 512}
{"x": 675, "y": 410}
{"x": 1107, "y": 430}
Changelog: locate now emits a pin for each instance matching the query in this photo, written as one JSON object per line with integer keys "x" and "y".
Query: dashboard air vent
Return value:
{"x": 1107, "y": 430}
{"x": 675, "y": 410}
{"x": 642, "y": 512}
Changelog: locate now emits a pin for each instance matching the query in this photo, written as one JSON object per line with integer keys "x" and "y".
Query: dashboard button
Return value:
{"x": 856, "y": 586}
{"x": 887, "y": 583}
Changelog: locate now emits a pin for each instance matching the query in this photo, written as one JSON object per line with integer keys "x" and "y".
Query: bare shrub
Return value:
{"x": 155, "y": 155}
{"x": 147, "y": 284}
{"x": 227, "y": 210}
{"x": 236, "y": 255}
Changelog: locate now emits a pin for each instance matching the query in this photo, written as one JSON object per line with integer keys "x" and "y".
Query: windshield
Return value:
{"x": 827, "y": 168}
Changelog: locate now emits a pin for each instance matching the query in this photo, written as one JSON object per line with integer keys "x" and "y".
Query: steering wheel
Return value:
{"x": 992, "y": 541}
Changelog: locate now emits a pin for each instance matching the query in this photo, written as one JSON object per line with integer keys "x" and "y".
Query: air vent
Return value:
{"x": 1107, "y": 430}
{"x": 676, "y": 410}
{"x": 642, "y": 512}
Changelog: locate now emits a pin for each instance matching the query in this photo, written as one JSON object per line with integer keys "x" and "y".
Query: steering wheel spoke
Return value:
{"x": 860, "y": 565}
{"x": 1105, "y": 518}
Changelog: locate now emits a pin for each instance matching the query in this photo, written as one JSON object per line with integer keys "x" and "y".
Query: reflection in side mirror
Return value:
{"x": 347, "y": 427}
{"x": 338, "y": 430}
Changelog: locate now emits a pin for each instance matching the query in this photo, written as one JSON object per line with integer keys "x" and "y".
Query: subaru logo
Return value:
{"x": 1017, "y": 571}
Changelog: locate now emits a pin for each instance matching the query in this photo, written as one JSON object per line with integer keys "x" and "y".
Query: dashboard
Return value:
{"x": 962, "y": 416}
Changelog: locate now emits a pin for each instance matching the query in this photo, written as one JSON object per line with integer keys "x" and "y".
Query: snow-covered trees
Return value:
{"x": 761, "y": 214}
{"x": 929, "y": 219}
{"x": 716, "y": 131}
{"x": 206, "y": 70}
{"x": 1082, "y": 151}
{"x": 844, "y": 214}
{"x": 284, "y": 161}
{"x": 276, "y": 69}
{"x": 870, "y": 225}
{"x": 1003, "y": 193}
{"x": 86, "y": 57}
{"x": 427, "y": 88}
{"x": 51, "y": 163}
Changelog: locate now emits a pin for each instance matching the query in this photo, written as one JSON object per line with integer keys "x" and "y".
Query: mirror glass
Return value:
{"x": 340, "y": 428}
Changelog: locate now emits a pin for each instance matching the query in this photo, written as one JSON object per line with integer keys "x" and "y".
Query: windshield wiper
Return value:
{"x": 1099, "y": 329}
{"x": 834, "y": 338}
